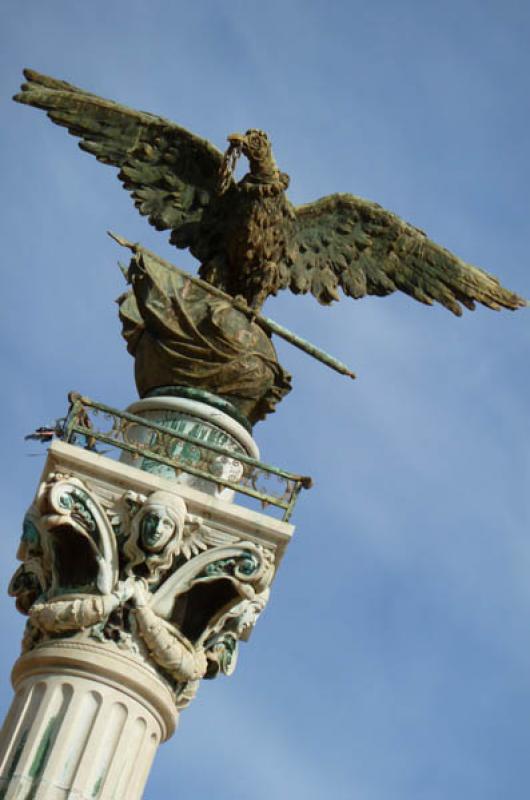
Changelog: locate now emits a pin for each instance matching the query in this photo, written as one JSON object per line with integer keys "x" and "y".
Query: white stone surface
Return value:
{"x": 85, "y": 723}
{"x": 89, "y": 712}
{"x": 111, "y": 478}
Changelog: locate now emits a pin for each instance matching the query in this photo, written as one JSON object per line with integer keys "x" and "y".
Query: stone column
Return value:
{"x": 136, "y": 586}
{"x": 85, "y": 723}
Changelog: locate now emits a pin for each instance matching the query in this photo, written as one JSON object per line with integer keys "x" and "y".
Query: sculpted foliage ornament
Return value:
{"x": 141, "y": 575}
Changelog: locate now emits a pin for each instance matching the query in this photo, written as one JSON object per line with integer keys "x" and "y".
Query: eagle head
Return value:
{"x": 254, "y": 144}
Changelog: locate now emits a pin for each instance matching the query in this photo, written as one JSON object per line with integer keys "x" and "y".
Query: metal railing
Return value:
{"x": 89, "y": 422}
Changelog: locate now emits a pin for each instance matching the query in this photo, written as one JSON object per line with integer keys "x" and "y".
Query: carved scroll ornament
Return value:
{"x": 141, "y": 574}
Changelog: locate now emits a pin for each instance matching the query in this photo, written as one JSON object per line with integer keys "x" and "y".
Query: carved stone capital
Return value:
{"x": 165, "y": 575}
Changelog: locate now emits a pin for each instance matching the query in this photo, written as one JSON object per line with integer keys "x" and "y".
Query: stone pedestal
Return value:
{"x": 201, "y": 422}
{"x": 136, "y": 586}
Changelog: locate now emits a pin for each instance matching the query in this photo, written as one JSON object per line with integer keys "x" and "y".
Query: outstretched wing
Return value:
{"x": 343, "y": 240}
{"x": 170, "y": 173}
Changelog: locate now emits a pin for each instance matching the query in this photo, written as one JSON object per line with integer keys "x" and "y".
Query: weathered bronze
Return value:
{"x": 268, "y": 325}
{"x": 182, "y": 329}
{"x": 251, "y": 242}
{"x": 181, "y": 334}
{"x": 192, "y": 453}
{"x": 249, "y": 239}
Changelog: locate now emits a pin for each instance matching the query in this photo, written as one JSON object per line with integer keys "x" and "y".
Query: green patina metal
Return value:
{"x": 202, "y": 396}
{"x": 191, "y": 454}
{"x": 267, "y": 324}
{"x": 185, "y": 452}
{"x": 302, "y": 344}
{"x": 182, "y": 447}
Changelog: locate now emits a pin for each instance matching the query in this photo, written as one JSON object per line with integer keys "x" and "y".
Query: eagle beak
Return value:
{"x": 236, "y": 139}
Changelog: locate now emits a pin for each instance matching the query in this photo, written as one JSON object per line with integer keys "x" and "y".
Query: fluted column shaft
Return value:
{"x": 84, "y": 725}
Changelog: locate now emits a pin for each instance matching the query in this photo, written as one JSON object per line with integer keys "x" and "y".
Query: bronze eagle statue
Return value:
{"x": 250, "y": 240}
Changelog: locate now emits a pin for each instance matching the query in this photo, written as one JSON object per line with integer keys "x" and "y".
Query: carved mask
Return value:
{"x": 155, "y": 534}
{"x": 156, "y": 528}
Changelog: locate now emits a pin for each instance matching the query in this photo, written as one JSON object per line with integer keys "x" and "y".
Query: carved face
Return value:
{"x": 156, "y": 528}
{"x": 155, "y": 535}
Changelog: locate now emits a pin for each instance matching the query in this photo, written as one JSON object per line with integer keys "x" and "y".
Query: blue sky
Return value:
{"x": 393, "y": 662}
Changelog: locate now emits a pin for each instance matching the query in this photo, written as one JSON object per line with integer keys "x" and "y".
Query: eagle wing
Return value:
{"x": 170, "y": 173}
{"x": 343, "y": 240}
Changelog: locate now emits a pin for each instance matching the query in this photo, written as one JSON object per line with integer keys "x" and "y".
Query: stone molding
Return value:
{"x": 86, "y": 659}
{"x": 81, "y": 726}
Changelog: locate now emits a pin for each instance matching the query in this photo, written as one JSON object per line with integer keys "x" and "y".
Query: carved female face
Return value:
{"x": 155, "y": 535}
{"x": 156, "y": 528}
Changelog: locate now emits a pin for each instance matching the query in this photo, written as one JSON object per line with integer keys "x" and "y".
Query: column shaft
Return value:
{"x": 73, "y": 736}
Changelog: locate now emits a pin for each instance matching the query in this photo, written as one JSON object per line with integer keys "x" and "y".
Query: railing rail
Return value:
{"x": 181, "y": 452}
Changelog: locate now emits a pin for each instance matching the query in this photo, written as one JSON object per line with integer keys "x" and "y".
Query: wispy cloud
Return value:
{"x": 393, "y": 659}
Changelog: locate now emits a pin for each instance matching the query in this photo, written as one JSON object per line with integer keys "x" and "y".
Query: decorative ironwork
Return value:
{"x": 89, "y": 423}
